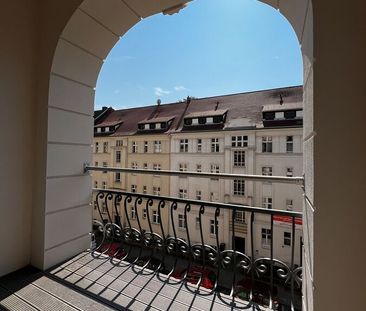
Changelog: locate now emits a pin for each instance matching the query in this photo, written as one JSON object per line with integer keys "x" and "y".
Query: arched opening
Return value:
{"x": 92, "y": 31}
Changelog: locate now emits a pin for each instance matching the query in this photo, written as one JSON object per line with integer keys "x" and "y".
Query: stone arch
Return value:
{"x": 92, "y": 31}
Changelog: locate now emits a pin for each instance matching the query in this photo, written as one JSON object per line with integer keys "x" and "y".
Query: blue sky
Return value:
{"x": 212, "y": 47}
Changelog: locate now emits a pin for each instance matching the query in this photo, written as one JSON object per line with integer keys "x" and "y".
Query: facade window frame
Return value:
{"x": 239, "y": 187}
{"x": 215, "y": 145}
{"x": 183, "y": 145}
{"x": 267, "y": 144}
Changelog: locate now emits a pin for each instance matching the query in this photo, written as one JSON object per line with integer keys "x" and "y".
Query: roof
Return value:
{"x": 156, "y": 120}
{"x": 209, "y": 113}
{"x": 107, "y": 123}
{"x": 282, "y": 107}
{"x": 242, "y": 110}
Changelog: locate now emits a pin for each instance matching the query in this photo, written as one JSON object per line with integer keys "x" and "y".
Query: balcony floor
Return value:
{"x": 93, "y": 283}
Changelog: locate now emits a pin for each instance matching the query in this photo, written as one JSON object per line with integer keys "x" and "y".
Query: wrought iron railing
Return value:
{"x": 153, "y": 237}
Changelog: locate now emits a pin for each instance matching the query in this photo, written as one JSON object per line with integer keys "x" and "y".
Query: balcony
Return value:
{"x": 164, "y": 253}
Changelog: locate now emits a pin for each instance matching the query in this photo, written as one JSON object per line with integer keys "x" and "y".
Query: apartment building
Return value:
{"x": 249, "y": 133}
{"x": 138, "y": 139}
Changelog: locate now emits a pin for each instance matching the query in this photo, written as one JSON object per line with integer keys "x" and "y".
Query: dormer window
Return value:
{"x": 107, "y": 129}
{"x": 141, "y": 126}
{"x": 187, "y": 121}
{"x": 99, "y": 130}
{"x": 217, "y": 119}
{"x": 269, "y": 115}
{"x": 163, "y": 125}
{"x": 201, "y": 120}
{"x": 152, "y": 126}
{"x": 290, "y": 114}
{"x": 102, "y": 129}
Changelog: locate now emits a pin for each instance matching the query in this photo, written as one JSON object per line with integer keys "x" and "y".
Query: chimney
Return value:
{"x": 104, "y": 108}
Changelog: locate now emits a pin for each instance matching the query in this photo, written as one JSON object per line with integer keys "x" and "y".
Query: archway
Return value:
{"x": 90, "y": 34}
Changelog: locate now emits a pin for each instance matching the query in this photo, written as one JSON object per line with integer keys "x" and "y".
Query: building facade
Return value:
{"x": 249, "y": 133}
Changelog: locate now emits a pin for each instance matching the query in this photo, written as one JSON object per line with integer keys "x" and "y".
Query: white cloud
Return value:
{"x": 160, "y": 92}
{"x": 180, "y": 88}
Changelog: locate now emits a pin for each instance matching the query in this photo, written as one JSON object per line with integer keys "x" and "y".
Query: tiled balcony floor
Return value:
{"x": 94, "y": 283}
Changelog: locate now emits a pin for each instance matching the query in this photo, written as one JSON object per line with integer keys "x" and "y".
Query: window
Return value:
{"x": 267, "y": 171}
{"x": 266, "y": 237}
{"x": 239, "y": 187}
{"x": 157, "y": 146}
{"x": 182, "y": 193}
{"x": 96, "y": 163}
{"x": 117, "y": 177}
{"x": 201, "y": 120}
{"x": 144, "y": 213}
{"x": 104, "y": 207}
{"x": 218, "y": 119}
{"x": 144, "y": 189}
{"x": 141, "y": 126}
{"x": 181, "y": 221}
{"x": 105, "y": 147}
{"x": 199, "y": 145}
{"x": 145, "y": 166}
{"x": 156, "y": 167}
{"x": 134, "y": 165}
{"x": 266, "y": 144}
{"x": 133, "y": 212}
{"x": 134, "y": 147}
{"x": 290, "y": 114}
{"x": 287, "y": 238}
{"x": 118, "y": 156}
{"x": 96, "y": 184}
{"x": 104, "y": 185}
{"x": 156, "y": 218}
{"x": 183, "y": 145}
{"x": 215, "y": 168}
{"x": 289, "y": 144}
{"x": 289, "y": 204}
{"x": 187, "y": 121}
{"x": 197, "y": 222}
{"x": 156, "y": 190}
{"x": 198, "y": 195}
{"x": 240, "y": 216}
{"x": 215, "y": 147}
{"x": 199, "y": 168}
{"x": 269, "y": 115}
{"x": 96, "y": 147}
{"x": 267, "y": 202}
{"x": 152, "y": 126}
{"x": 239, "y": 141}
{"x": 183, "y": 167}
{"x": 289, "y": 172}
{"x": 146, "y": 146}
{"x": 105, "y": 164}
{"x": 133, "y": 188}
{"x": 239, "y": 158}
{"x": 119, "y": 143}
{"x": 213, "y": 226}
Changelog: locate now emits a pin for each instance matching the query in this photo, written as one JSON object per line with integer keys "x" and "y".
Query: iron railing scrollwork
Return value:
{"x": 170, "y": 236}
